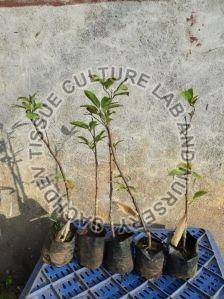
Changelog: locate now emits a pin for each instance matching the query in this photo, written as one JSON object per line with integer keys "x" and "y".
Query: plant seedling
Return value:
{"x": 91, "y": 143}
{"x": 101, "y": 110}
{"x": 31, "y": 106}
{"x": 186, "y": 170}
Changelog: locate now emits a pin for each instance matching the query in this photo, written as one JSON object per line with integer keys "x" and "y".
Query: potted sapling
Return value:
{"x": 59, "y": 248}
{"x": 182, "y": 256}
{"x": 118, "y": 255}
{"x": 90, "y": 238}
{"x": 149, "y": 255}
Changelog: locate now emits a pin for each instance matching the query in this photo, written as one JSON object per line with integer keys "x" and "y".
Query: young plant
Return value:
{"x": 102, "y": 111}
{"x": 31, "y": 106}
{"x": 186, "y": 170}
{"x": 91, "y": 143}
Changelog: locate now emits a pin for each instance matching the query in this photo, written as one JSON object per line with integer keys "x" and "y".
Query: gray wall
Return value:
{"x": 179, "y": 44}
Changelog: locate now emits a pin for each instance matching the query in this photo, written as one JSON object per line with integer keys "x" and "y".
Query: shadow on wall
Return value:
{"x": 21, "y": 239}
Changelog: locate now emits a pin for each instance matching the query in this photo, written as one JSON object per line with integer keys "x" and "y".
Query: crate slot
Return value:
{"x": 69, "y": 287}
{"x": 204, "y": 255}
{"x": 207, "y": 282}
{"x": 160, "y": 235}
{"x": 189, "y": 292}
{"x": 44, "y": 293}
{"x": 214, "y": 267}
{"x": 197, "y": 233}
{"x": 168, "y": 284}
{"x": 148, "y": 291}
{"x": 92, "y": 277}
{"x": 40, "y": 282}
{"x": 55, "y": 273}
{"x": 130, "y": 281}
{"x": 204, "y": 241}
{"x": 74, "y": 265}
{"x": 108, "y": 290}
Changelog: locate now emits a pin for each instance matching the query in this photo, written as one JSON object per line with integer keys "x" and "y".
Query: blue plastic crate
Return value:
{"x": 75, "y": 281}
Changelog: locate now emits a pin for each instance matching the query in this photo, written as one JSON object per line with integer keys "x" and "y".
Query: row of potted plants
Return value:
{"x": 115, "y": 253}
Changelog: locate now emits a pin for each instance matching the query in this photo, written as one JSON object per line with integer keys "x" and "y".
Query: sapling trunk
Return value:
{"x": 111, "y": 190}
{"x": 46, "y": 142}
{"x": 186, "y": 182}
{"x": 96, "y": 175}
{"x": 142, "y": 221}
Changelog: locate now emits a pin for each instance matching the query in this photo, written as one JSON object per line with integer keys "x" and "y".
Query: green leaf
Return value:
{"x": 92, "y": 109}
{"x": 115, "y": 144}
{"x": 133, "y": 188}
{"x": 121, "y": 93}
{"x": 194, "y": 100}
{"x": 79, "y": 124}
{"x": 184, "y": 165}
{"x": 85, "y": 140}
{"x": 23, "y": 99}
{"x": 188, "y": 95}
{"x": 117, "y": 176}
{"x": 70, "y": 184}
{"x": 19, "y": 106}
{"x": 32, "y": 116}
{"x": 109, "y": 82}
{"x": 177, "y": 171}
{"x": 99, "y": 136}
{"x": 115, "y": 105}
{"x": 105, "y": 102}
{"x": 199, "y": 194}
{"x": 196, "y": 175}
{"x": 120, "y": 186}
{"x": 38, "y": 105}
{"x": 95, "y": 78}
{"x": 92, "y": 125}
{"x": 58, "y": 176}
{"x": 92, "y": 97}
{"x": 123, "y": 87}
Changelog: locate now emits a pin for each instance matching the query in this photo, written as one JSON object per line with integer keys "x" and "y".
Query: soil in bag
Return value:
{"x": 58, "y": 253}
{"x": 118, "y": 254}
{"x": 149, "y": 261}
{"x": 182, "y": 262}
{"x": 90, "y": 245}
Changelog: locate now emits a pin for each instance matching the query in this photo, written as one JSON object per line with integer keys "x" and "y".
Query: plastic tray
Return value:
{"x": 75, "y": 281}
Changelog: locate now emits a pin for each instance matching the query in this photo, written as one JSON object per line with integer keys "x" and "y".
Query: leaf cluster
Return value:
{"x": 90, "y": 127}
{"x": 186, "y": 169}
{"x": 121, "y": 186}
{"x": 31, "y": 106}
{"x": 104, "y": 108}
{"x": 189, "y": 97}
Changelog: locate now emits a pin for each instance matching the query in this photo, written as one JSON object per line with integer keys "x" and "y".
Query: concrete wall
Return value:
{"x": 179, "y": 44}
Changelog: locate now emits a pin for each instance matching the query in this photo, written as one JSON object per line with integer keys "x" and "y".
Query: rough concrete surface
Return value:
{"x": 179, "y": 44}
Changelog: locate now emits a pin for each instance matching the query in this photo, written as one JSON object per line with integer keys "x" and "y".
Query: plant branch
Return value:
{"x": 111, "y": 190}
{"x": 96, "y": 172}
{"x": 46, "y": 142}
{"x": 96, "y": 118}
{"x": 186, "y": 179}
{"x": 142, "y": 221}
{"x": 106, "y": 91}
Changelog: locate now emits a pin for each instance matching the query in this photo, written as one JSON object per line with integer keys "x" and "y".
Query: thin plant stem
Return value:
{"x": 96, "y": 174}
{"x": 46, "y": 142}
{"x": 142, "y": 221}
{"x": 111, "y": 191}
{"x": 186, "y": 180}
